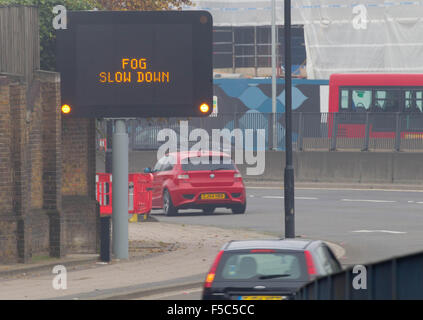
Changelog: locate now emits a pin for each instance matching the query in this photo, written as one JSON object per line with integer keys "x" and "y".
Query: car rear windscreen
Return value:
{"x": 274, "y": 266}
{"x": 207, "y": 163}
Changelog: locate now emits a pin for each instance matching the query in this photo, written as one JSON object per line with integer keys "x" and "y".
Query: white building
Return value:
{"x": 339, "y": 35}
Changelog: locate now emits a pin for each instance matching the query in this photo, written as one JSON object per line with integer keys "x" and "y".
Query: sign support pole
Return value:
{"x": 120, "y": 191}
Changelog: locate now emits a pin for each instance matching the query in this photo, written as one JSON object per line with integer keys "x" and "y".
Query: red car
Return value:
{"x": 197, "y": 180}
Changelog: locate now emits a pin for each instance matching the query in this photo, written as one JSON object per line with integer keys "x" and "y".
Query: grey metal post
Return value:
{"x": 300, "y": 132}
{"x": 255, "y": 51}
{"x": 398, "y": 132}
{"x": 236, "y": 120}
{"x": 367, "y": 133}
{"x": 274, "y": 73}
{"x": 270, "y": 131}
{"x": 289, "y": 167}
{"x": 120, "y": 191}
{"x": 334, "y": 132}
{"x": 233, "y": 51}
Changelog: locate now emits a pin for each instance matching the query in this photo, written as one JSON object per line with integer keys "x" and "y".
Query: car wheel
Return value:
{"x": 168, "y": 206}
{"x": 209, "y": 210}
{"x": 239, "y": 209}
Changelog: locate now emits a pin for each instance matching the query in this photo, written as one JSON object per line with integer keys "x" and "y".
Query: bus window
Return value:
{"x": 344, "y": 99}
{"x": 419, "y": 100}
{"x": 362, "y": 99}
{"x": 380, "y": 100}
{"x": 413, "y": 101}
{"x": 392, "y": 101}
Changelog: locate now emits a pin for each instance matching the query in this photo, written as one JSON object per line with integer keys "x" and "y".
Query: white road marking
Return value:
{"x": 380, "y": 231}
{"x": 420, "y": 202}
{"x": 336, "y": 189}
{"x": 363, "y": 200}
{"x": 306, "y": 198}
{"x": 296, "y": 198}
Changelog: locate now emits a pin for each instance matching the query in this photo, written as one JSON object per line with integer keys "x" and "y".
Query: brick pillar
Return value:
{"x": 20, "y": 163}
{"x": 52, "y": 159}
{"x": 79, "y": 204}
{"x": 8, "y": 223}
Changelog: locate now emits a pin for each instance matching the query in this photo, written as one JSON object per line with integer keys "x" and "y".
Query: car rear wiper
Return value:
{"x": 271, "y": 276}
{"x": 221, "y": 168}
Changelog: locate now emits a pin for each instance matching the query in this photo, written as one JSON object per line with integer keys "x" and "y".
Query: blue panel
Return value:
{"x": 253, "y": 97}
{"x": 297, "y": 98}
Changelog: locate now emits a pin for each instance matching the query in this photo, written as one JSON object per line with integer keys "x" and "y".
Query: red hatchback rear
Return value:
{"x": 197, "y": 180}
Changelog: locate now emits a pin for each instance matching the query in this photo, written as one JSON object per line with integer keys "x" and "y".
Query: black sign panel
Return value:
{"x": 136, "y": 64}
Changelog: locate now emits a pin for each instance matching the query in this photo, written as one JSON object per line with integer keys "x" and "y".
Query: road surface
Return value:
{"x": 370, "y": 224}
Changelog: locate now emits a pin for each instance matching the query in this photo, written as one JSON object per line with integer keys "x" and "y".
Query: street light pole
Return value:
{"x": 289, "y": 169}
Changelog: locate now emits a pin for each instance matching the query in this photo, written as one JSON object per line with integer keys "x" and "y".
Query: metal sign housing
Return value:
{"x": 136, "y": 64}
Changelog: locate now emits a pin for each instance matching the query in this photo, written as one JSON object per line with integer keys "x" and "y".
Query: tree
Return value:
{"x": 47, "y": 33}
{"x": 142, "y": 5}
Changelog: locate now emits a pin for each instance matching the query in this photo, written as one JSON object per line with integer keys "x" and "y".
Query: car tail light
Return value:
{"x": 262, "y": 250}
{"x": 238, "y": 176}
{"x": 310, "y": 264}
{"x": 212, "y": 272}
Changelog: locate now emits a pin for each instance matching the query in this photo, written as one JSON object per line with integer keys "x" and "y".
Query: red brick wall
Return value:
{"x": 8, "y": 224}
{"x": 47, "y": 203}
{"x": 79, "y": 206}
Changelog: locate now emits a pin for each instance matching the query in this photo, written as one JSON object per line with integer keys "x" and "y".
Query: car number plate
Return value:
{"x": 262, "y": 298}
{"x": 213, "y": 196}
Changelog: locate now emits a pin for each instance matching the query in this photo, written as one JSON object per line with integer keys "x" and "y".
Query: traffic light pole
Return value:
{"x": 120, "y": 191}
{"x": 289, "y": 169}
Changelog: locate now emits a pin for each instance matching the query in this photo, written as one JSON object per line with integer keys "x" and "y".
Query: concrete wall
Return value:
{"x": 345, "y": 167}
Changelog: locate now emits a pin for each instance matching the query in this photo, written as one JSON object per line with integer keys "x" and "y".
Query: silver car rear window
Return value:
{"x": 262, "y": 266}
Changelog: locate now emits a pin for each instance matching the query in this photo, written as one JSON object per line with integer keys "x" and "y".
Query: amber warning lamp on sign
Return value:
{"x": 204, "y": 108}
{"x": 66, "y": 109}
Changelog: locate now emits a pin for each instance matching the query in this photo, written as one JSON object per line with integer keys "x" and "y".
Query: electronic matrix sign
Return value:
{"x": 136, "y": 64}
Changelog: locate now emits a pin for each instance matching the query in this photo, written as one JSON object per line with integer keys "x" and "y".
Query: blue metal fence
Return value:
{"x": 400, "y": 278}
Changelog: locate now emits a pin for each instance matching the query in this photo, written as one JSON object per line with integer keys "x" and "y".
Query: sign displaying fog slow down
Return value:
{"x": 136, "y": 64}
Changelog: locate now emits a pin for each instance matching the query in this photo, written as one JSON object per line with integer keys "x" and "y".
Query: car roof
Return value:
{"x": 277, "y": 244}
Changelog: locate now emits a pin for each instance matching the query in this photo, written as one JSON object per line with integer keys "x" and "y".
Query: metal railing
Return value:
{"x": 398, "y": 278}
{"x": 311, "y": 131}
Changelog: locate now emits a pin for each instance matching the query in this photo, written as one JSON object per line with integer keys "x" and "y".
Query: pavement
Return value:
{"x": 187, "y": 252}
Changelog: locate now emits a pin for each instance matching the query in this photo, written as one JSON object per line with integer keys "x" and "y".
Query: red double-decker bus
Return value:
{"x": 378, "y": 100}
